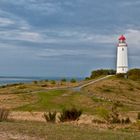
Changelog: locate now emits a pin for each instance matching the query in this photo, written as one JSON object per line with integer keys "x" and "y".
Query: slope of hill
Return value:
{"x": 95, "y": 100}
{"x": 125, "y": 92}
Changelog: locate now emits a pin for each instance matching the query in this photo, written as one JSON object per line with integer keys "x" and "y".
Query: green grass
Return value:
{"x": 64, "y": 132}
{"x": 44, "y": 101}
{"x": 101, "y": 94}
{"x": 95, "y": 99}
{"x": 56, "y": 100}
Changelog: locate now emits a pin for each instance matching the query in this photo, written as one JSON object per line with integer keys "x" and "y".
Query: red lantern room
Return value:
{"x": 122, "y": 39}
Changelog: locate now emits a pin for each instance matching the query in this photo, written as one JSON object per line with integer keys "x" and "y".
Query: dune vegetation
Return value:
{"x": 108, "y": 105}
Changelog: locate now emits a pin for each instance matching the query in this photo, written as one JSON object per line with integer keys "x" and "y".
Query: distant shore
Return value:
{"x": 4, "y": 80}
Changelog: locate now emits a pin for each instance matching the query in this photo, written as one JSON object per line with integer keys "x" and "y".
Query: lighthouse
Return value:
{"x": 122, "y": 56}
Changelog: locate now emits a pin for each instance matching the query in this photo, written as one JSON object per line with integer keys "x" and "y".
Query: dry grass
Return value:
{"x": 16, "y": 95}
{"x": 35, "y": 130}
{"x": 92, "y": 100}
{"x": 126, "y": 92}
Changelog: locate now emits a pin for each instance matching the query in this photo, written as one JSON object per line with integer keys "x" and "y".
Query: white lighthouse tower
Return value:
{"x": 122, "y": 56}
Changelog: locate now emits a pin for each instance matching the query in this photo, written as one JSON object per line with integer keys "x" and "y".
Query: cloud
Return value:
{"x": 82, "y": 32}
{"x": 12, "y": 21}
{"x": 73, "y": 52}
{"x": 18, "y": 35}
{"x": 130, "y": 3}
{"x": 41, "y": 6}
{"x": 6, "y": 22}
{"x": 133, "y": 36}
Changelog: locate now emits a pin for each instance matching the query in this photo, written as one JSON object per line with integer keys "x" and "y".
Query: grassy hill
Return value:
{"x": 103, "y": 94}
{"x": 125, "y": 92}
{"x": 95, "y": 100}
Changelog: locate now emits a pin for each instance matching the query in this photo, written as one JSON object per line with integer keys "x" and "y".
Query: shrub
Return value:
{"x": 127, "y": 120}
{"x": 138, "y": 125}
{"x": 102, "y": 72}
{"x": 4, "y": 113}
{"x": 4, "y": 86}
{"x": 138, "y": 116}
{"x": 111, "y": 116}
{"x": 134, "y": 74}
{"x": 114, "y": 115}
{"x": 44, "y": 85}
{"x": 118, "y": 104}
{"x": 103, "y": 112}
{"x": 50, "y": 117}
{"x": 46, "y": 80}
{"x": 120, "y": 75}
{"x": 73, "y": 80}
{"x": 87, "y": 78}
{"x": 35, "y": 82}
{"x": 63, "y": 80}
{"x": 21, "y": 87}
{"x": 53, "y": 82}
{"x": 70, "y": 114}
{"x": 107, "y": 90}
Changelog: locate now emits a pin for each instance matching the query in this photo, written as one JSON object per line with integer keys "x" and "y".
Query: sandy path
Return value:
{"x": 27, "y": 116}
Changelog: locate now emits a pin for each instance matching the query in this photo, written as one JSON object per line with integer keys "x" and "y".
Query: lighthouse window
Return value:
{"x": 122, "y": 49}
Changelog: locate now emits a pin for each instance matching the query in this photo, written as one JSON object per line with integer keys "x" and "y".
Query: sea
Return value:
{"x": 4, "y": 80}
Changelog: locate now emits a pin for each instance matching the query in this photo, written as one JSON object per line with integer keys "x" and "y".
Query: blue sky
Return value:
{"x": 66, "y": 37}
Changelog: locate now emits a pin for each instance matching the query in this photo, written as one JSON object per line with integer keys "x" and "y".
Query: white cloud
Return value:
{"x": 73, "y": 52}
{"x": 133, "y": 37}
{"x": 21, "y": 35}
{"x": 42, "y": 7}
{"x": 8, "y": 19}
{"x": 6, "y": 22}
{"x": 45, "y": 8}
{"x": 61, "y": 52}
{"x": 130, "y": 3}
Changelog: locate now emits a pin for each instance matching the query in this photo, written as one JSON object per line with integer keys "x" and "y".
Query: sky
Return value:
{"x": 66, "y": 38}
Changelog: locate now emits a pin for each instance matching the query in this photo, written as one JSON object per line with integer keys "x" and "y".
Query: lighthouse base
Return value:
{"x": 122, "y": 70}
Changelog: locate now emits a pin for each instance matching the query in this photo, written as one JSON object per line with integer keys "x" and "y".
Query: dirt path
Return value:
{"x": 78, "y": 88}
{"x": 27, "y": 116}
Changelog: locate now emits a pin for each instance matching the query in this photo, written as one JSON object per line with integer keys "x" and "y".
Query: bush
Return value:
{"x": 46, "y": 80}
{"x": 53, "y": 82}
{"x": 4, "y": 113}
{"x": 118, "y": 104}
{"x": 126, "y": 121}
{"x": 102, "y": 72}
{"x": 138, "y": 116}
{"x": 35, "y": 82}
{"x": 70, "y": 114}
{"x": 120, "y": 75}
{"x": 103, "y": 112}
{"x": 87, "y": 78}
{"x": 63, "y": 80}
{"x": 44, "y": 85}
{"x": 50, "y": 117}
{"x": 21, "y": 87}
{"x": 134, "y": 74}
{"x": 73, "y": 80}
{"x": 110, "y": 116}
{"x": 114, "y": 115}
